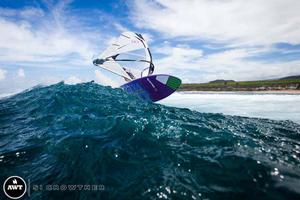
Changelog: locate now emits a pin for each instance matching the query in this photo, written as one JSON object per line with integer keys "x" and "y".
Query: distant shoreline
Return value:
{"x": 280, "y": 91}
{"x": 254, "y": 92}
{"x": 287, "y": 85}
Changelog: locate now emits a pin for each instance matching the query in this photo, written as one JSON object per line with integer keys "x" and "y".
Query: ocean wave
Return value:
{"x": 91, "y": 134}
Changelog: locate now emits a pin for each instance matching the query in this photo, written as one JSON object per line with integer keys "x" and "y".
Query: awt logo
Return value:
{"x": 14, "y": 187}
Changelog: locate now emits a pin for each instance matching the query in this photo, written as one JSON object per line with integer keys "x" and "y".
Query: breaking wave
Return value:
{"x": 87, "y": 134}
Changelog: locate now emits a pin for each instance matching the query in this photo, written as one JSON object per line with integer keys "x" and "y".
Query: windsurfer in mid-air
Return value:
{"x": 131, "y": 50}
{"x": 130, "y": 58}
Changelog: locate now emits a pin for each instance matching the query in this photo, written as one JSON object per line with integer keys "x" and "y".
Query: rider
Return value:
{"x": 129, "y": 74}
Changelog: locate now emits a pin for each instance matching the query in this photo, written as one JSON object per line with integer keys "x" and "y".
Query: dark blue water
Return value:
{"x": 87, "y": 134}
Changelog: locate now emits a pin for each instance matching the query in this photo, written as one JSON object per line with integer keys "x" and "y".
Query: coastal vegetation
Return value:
{"x": 286, "y": 83}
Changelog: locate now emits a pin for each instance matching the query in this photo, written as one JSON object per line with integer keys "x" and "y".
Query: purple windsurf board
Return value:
{"x": 154, "y": 87}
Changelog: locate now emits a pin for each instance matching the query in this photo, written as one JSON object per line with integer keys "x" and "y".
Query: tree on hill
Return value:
{"x": 222, "y": 81}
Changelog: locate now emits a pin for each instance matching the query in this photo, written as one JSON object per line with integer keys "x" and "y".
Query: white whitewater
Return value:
{"x": 271, "y": 106}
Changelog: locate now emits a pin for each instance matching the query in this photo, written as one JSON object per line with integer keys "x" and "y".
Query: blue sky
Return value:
{"x": 44, "y": 42}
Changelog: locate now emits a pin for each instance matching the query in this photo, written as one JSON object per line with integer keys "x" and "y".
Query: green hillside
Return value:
{"x": 280, "y": 84}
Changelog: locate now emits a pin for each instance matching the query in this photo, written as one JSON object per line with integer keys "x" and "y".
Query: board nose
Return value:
{"x": 173, "y": 82}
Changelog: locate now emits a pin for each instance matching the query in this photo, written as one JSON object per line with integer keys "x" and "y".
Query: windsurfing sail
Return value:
{"x": 129, "y": 56}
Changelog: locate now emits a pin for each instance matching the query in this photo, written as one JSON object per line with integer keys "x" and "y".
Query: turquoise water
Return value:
{"x": 89, "y": 134}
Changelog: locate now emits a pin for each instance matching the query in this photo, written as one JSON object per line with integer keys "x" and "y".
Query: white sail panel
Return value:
{"x": 115, "y": 68}
{"x": 127, "y": 42}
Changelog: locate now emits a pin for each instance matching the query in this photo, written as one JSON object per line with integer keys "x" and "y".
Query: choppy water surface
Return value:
{"x": 90, "y": 134}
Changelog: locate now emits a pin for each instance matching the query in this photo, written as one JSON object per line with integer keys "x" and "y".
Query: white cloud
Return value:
{"x": 248, "y": 28}
{"x": 54, "y": 39}
{"x": 2, "y": 74}
{"x": 190, "y": 65}
{"x": 28, "y": 12}
{"x": 31, "y": 12}
{"x": 180, "y": 53}
{"x": 22, "y": 43}
{"x": 105, "y": 80}
{"x": 21, "y": 73}
{"x": 73, "y": 80}
{"x": 235, "y": 21}
{"x": 49, "y": 80}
